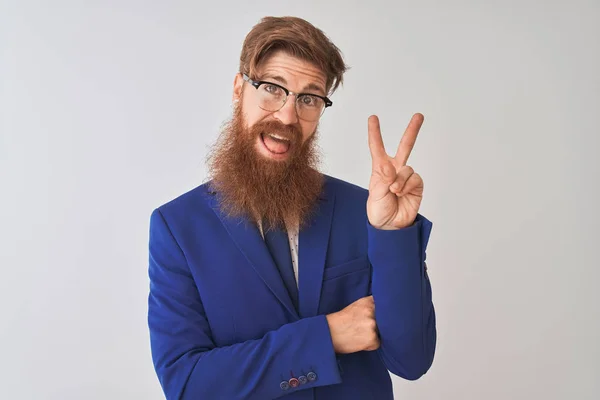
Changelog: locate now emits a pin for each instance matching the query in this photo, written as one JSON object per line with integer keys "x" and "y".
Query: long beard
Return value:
{"x": 250, "y": 185}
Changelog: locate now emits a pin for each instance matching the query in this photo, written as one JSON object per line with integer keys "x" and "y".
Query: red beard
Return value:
{"x": 250, "y": 185}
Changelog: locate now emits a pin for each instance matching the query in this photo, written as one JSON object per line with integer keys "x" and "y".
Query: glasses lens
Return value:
{"x": 271, "y": 97}
{"x": 310, "y": 108}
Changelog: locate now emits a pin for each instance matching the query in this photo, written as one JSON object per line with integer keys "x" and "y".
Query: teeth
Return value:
{"x": 278, "y": 137}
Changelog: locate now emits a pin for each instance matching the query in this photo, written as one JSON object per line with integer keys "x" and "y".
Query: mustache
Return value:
{"x": 290, "y": 132}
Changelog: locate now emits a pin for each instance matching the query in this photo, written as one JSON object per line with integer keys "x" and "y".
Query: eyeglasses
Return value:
{"x": 272, "y": 97}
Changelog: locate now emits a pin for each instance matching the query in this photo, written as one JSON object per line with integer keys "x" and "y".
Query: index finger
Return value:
{"x": 375, "y": 141}
{"x": 409, "y": 138}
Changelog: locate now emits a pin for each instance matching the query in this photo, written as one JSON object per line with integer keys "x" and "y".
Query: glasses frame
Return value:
{"x": 256, "y": 84}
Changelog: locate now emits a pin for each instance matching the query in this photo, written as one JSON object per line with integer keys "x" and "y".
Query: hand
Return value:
{"x": 353, "y": 328}
{"x": 395, "y": 190}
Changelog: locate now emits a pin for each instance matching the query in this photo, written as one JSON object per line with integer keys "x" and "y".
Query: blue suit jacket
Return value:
{"x": 222, "y": 325}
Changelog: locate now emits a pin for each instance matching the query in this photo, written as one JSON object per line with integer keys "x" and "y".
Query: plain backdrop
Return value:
{"x": 108, "y": 109}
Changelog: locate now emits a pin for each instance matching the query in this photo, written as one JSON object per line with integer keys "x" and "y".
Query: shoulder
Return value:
{"x": 189, "y": 202}
{"x": 345, "y": 189}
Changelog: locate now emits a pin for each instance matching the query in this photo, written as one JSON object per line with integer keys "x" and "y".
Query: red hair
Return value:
{"x": 298, "y": 38}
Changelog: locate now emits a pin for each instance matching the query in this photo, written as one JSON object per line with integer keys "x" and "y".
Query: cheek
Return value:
{"x": 252, "y": 113}
{"x": 250, "y": 107}
{"x": 307, "y": 130}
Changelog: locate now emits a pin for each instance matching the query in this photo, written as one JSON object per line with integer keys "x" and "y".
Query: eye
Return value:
{"x": 309, "y": 101}
{"x": 272, "y": 89}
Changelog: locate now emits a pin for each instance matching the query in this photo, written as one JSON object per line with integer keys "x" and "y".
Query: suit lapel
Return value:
{"x": 312, "y": 250}
{"x": 248, "y": 239}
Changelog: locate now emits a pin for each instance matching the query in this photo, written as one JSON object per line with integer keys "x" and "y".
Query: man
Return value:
{"x": 273, "y": 280}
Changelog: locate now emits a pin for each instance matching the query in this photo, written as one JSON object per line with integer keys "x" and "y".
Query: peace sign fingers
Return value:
{"x": 376, "y": 146}
{"x": 408, "y": 139}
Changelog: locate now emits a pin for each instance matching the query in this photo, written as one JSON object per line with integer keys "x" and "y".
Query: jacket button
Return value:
{"x": 294, "y": 383}
{"x": 311, "y": 376}
{"x": 284, "y": 385}
{"x": 302, "y": 379}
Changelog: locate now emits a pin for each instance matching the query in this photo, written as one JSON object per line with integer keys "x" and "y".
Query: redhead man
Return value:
{"x": 273, "y": 280}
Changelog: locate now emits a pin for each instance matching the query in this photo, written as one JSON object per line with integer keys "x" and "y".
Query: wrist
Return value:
{"x": 332, "y": 322}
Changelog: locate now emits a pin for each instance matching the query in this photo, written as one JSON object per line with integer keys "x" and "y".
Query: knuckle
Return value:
{"x": 372, "y": 324}
{"x": 373, "y": 345}
{"x": 365, "y": 301}
{"x": 388, "y": 170}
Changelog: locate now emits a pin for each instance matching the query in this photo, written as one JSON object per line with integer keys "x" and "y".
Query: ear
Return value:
{"x": 238, "y": 85}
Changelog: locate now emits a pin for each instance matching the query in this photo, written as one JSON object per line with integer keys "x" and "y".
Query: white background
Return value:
{"x": 108, "y": 109}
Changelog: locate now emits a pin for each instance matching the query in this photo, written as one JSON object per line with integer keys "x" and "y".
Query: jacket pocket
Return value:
{"x": 344, "y": 284}
{"x": 349, "y": 267}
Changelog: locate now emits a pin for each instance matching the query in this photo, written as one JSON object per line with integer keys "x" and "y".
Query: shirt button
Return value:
{"x": 294, "y": 383}
{"x": 302, "y": 379}
{"x": 284, "y": 385}
{"x": 311, "y": 376}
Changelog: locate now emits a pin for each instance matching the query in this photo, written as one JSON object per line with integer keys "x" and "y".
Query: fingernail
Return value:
{"x": 394, "y": 187}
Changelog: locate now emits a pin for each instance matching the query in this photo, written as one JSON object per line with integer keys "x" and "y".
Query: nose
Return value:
{"x": 287, "y": 114}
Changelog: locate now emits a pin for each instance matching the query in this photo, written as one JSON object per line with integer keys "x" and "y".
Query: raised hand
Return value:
{"x": 395, "y": 189}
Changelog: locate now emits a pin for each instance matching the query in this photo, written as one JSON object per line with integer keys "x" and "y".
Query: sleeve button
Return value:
{"x": 302, "y": 379}
{"x": 284, "y": 385}
{"x": 311, "y": 376}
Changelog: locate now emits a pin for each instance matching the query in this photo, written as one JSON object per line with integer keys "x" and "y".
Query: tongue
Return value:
{"x": 276, "y": 146}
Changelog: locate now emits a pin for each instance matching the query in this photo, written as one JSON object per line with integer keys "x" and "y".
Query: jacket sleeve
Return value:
{"x": 401, "y": 290}
{"x": 188, "y": 363}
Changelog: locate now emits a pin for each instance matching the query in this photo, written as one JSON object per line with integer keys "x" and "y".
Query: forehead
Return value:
{"x": 297, "y": 73}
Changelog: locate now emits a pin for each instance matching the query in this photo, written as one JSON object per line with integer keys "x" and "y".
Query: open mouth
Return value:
{"x": 276, "y": 144}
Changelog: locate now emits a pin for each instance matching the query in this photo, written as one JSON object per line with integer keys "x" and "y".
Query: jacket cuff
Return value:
{"x": 400, "y": 244}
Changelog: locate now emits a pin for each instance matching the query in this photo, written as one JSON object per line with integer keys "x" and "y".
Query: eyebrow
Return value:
{"x": 281, "y": 79}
